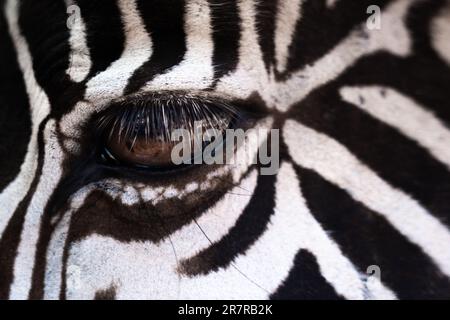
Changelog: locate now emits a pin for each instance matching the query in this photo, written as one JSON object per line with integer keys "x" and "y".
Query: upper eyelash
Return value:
{"x": 159, "y": 114}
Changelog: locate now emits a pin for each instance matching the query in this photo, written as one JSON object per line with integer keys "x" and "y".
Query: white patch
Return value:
{"x": 191, "y": 187}
{"x": 440, "y": 32}
{"x": 395, "y": 39}
{"x": 377, "y": 291}
{"x": 80, "y": 58}
{"x": 40, "y": 108}
{"x": 288, "y": 15}
{"x": 151, "y": 193}
{"x": 71, "y": 124}
{"x": 250, "y": 75}
{"x": 406, "y": 115}
{"x": 138, "y": 49}
{"x": 130, "y": 196}
{"x": 335, "y": 163}
{"x": 51, "y": 174}
{"x": 55, "y": 251}
{"x": 111, "y": 83}
{"x": 196, "y": 69}
{"x": 245, "y": 155}
{"x": 331, "y": 3}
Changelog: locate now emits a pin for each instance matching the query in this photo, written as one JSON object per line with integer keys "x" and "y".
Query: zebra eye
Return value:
{"x": 139, "y": 132}
{"x": 140, "y": 151}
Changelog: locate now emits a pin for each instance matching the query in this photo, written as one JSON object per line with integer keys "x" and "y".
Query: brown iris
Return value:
{"x": 141, "y": 151}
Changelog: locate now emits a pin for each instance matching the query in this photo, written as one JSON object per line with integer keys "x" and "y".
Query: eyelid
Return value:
{"x": 158, "y": 114}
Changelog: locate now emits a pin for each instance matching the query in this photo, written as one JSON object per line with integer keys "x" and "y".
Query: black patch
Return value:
{"x": 266, "y": 12}
{"x": 107, "y": 294}
{"x": 100, "y": 214}
{"x": 367, "y": 238}
{"x": 15, "y": 122}
{"x": 104, "y": 30}
{"x": 305, "y": 282}
{"x": 225, "y": 24}
{"x": 321, "y": 28}
{"x": 419, "y": 22}
{"x": 10, "y": 240}
{"x": 164, "y": 21}
{"x": 43, "y": 24}
{"x": 248, "y": 228}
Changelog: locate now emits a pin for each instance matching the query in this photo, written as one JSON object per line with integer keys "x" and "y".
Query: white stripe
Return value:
{"x": 54, "y": 258}
{"x": 288, "y": 15}
{"x": 217, "y": 221}
{"x": 57, "y": 244}
{"x": 40, "y": 108}
{"x": 440, "y": 33}
{"x": 406, "y": 115}
{"x": 250, "y": 75}
{"x": 335, "y": 163}
{"x": 51, "y": 173}
{"x": 196, "y": 69}
{"x": 395, "y": 39}
{"x": 80, "y": 59}
{"x": 111, "y": 83}
{"x": 138, "y": 49}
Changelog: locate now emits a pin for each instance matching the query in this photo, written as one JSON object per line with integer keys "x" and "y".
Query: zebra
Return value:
{"x": 359, "y": 207}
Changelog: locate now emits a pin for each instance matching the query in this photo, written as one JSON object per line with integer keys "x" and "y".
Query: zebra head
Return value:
{"x": 322, "y": 186}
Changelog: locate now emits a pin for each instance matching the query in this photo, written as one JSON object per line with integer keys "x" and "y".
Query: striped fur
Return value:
{"x": 365, "y": 151}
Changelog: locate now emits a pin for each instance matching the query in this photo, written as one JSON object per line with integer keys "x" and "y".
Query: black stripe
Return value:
{"x": 226, "y": 33}
{"x": 397, "y": 159}
{"x": 10, "y": 239}
{"x": 424, "y": 79}
{"x": 248, "y": 228}
{"x": 422, "y": 76}
{"x": 321, "y": 28}
{"x": 305, "y": 282}
{"x": 104, "y": 32}
{"x": 419, "y": 22}
{"x": 107, "y": 294}
{"x": 266, "y": 12}
{"x": 44, "y": 26}
{"x": 164, "y": 20}
{"x": 366, "y": 238}
{"x": 15, "y": 122}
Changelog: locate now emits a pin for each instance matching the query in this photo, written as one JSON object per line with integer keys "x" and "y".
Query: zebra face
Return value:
{"x": 92, "y": 204}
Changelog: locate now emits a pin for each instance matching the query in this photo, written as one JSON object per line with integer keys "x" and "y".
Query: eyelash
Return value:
{"x": 156, "y": 116}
